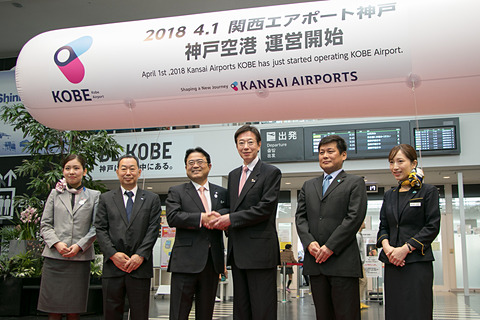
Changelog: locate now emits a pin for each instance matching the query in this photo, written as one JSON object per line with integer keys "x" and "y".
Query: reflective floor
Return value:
{"x": 293, "y": 307}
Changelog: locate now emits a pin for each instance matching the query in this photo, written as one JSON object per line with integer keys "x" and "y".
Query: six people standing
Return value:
{"x": 331, "y": 208}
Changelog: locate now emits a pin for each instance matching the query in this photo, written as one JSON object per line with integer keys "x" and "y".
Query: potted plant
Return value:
{"x": 18, "y": 273}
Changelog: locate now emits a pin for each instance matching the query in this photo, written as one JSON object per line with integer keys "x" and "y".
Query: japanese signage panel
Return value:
{"x": 284, "y": 144}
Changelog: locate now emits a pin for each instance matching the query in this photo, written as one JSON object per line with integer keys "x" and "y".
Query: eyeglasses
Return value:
{"x": 249, "y": 143}
{"x": 199, "y": 162}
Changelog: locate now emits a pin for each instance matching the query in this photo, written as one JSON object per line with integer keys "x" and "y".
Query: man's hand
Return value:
{"x": 323, "y": 254}
{"x": 313, "y": 248}
{"x": 133, "y": 263}
{"x": 221, "y": 223}
{"x": 207, "y": 217}
{"x": 120, "y": 260}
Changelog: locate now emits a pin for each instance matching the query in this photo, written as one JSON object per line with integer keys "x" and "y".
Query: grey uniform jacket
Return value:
{"x": 73, "y": 226}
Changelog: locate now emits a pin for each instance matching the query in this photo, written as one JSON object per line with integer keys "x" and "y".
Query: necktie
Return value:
{"x": 326, "y": 183}
{"x": 242, "y": 179}
{"x": 129, "y": 206}
{"x": 204, "y": 199}
{"x": 73, "y": 200}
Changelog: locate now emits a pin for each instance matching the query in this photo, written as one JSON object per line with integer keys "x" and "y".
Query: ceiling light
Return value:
{"x": 149, "y": 188}
{"x": 446, "y": 177}
{"x": 288, "y": 183}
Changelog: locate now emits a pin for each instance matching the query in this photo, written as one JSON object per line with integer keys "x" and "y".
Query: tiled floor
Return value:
{"x": 447, "y": 306}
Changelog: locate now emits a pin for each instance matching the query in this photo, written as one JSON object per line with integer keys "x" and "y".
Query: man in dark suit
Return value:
{"x": 253, "y": 249}
{"x": 198, "y": 255}
{"x": 127, "y": 223}
{"x": 330, "y": 211}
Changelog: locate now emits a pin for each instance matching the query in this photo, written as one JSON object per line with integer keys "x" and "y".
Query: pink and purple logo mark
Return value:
{"x": 66, "y": 58}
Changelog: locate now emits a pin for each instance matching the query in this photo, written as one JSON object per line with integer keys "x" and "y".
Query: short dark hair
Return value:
{"x": 73, "y": 156}
{"x": 246, "y": 128}
{"x": 129, "y": 156}
{"x": 341, "y": 144}
{"x": 199, "y": 150}
{"x": 407, "y": 150}
{"x": 288, "y": 246}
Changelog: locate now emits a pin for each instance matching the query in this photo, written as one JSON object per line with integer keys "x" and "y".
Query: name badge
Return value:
{"x": 415, "y": 204}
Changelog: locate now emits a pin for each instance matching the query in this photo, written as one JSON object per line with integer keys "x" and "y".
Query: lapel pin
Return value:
{"x": 414, "y": 191}
{"x": 141, "y": 198}
{"x": 215, "y": 195}
{"x": 82, "y": 201}
{"x": 253, "y": 180}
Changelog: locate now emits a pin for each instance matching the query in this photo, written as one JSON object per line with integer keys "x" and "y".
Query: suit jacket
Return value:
{"x": 73, "y": 226}
{"x": 417, "y": 222}
{"x": 116, "y": 234}
{"x": 192, "y": 241}
{"x": 252, "y": 235}
{"x": 332, "y": 220}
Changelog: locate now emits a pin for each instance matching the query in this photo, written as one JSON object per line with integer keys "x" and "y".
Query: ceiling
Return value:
{"x": 21, "y": 20}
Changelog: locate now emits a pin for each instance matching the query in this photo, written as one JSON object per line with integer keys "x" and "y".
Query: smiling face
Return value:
{"x": 128, "y": 173}
{"x": 330, "y": 158}
{"x": 73, "y": 171}
{"x": 197, "y": 167}
{"x": 401, "y": 166}
{"x": 248, "y": 146}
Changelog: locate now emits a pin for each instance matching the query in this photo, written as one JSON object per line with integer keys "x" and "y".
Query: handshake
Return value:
{"x": 213, "y": 220}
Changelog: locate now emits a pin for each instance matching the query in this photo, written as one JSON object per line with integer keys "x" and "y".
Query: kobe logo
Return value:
{"x": 66, "y": 58}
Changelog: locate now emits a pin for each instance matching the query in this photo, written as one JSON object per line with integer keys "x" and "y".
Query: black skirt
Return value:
{"x": 409, "y": 291}
{"x": 64, "y": 286}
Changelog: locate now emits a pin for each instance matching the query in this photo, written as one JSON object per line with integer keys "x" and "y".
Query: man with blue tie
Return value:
{"x": 127, "y": 224}
{"x": 331, "y": 209}
{"x": 197, "y": 256}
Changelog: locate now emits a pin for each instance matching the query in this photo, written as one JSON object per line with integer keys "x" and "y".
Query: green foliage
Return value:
{"x": 48, "y": 147}
{"x": 96, "y": 267}
{"x": 8, "y": 233}
{"x": 24, "y": 265}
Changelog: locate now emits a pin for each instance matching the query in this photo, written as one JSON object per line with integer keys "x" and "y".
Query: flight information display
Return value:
{"x": 430, "y": 139}
{"x": 381, "y": 139}
{"x": 434, "y": 137}
{"x": 347, "y": 135}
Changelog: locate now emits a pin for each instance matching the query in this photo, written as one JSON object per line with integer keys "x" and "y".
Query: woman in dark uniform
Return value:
{"x": 68, "y": 231}
{"x": 409, "y": 222}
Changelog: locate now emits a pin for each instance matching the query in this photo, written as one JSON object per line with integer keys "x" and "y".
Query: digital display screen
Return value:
{"x": 381, "y": 139}
{"x": 347, "y": 135}
{"x": 433, "y": 139}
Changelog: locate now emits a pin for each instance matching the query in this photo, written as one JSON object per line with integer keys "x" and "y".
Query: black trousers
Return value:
{"x": 335, "y": 297}
{"x": 254, "y": 293}
{"x": 184, "y": 286}
{"x": 114, "y": 292}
